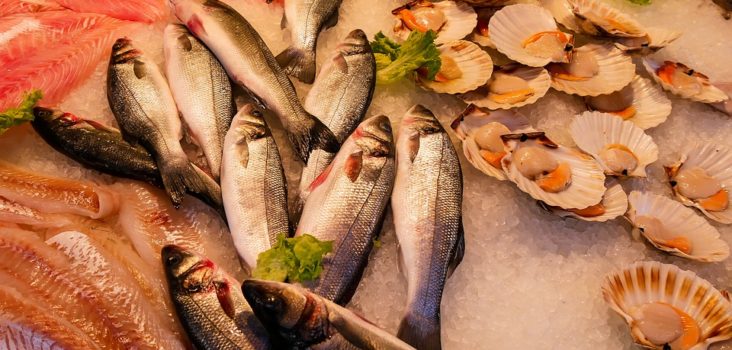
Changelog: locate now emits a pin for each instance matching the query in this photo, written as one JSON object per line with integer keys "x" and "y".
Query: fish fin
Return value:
{"x": 456, "y": 256}
{"x": 185, "y": 42}
{"x": 420, "y": 332}
{"x": 223, "y": 294}
{"x": 317, "y": 136}
{"x": 299, "y": 63}
{"x": 207, "y": 190}
{"x": 139, "y": 69}
{"x": 353, "y": 166}
{"x": 341, "y": 63}
{"x": 401, "y": 266}
{"x": 332, "y": 20}
{"x": 283, "y": 22}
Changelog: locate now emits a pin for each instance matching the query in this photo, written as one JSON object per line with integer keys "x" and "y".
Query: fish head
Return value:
{"x": 126, "y": 59}
{"x": 187, "y": 272}
{"x": 176, "y": 38}
{"x": 420, "y": 120}
{"x": 248, "y": 124}
{"x": 374, "y": 137}
{"x": 277, "y": 305}
{"x": 356, "y": 43}
{"x": 48, "y": 115}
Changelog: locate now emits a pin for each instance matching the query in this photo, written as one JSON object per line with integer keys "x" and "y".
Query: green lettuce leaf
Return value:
{"x": 394, "y": 61}
{"x": 21, "y": 114}
{"x": 294, "y": 259}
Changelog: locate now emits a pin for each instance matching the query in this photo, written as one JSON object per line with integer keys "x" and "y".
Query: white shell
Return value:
{"x": 598, "y": 9}
{"x": 563, "y": 13}
{"x": 537, "y": 78}
{"x": 614, "y": 200}
{"x": 616, "y": 70}
{"x": 473, "y": 118}
{"x": 726, "y": 106}
{"x": 484, "y": 14}
{"x": 707, "y": 246}
{"x": 716, "y": 160}
{"x": 655, "y": 39}
{"x": 588, "y": 180}
{"x": 650, "y": 282}
{"x": 475, "y": 64}
{"x": 513, "y": 24}
{"x": 708, "y": 94}
{"x": 593, "y": 131}
{"x": 460, "y": 20}
{"x": 652, "y": 107}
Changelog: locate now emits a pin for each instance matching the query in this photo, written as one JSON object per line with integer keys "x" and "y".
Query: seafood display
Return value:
{"x": 451, "y": 20}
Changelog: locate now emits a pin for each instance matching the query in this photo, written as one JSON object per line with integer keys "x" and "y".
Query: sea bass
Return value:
{"x": 306, "y": 18}
{"x": 347, "y": 204}
{"x": 251, "y": 65}
{"x": 427, "y": 206}
{"x": 201, "y": 90}
{"x": 298, "y": 319}
{"x": 253, "y": 185}
{"x": 210, "y": 303}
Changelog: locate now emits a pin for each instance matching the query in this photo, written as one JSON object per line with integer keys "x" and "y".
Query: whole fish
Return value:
{"x": 306, "y": 18}
{"x": 340, "y": 97}
{"x": 346, "y": 205}
{"x": 253, "y": 185}
{"x": 427, "y": 206}
{"x": 210, "y": 304}
{"x": 201, "y": 90}
{"x": 144, "y": 108}
{"x": 251, "y": 65}
{"x": 298, "y": 319}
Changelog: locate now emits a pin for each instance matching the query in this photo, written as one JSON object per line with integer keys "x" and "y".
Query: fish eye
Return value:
{"x": 173, "y": 259}
{"x": 257, "y": 113}
{"x": 272, "y": 303}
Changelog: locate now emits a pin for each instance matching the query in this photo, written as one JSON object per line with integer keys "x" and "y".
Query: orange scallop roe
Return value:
{"x": 626, "y": 113}
{"x": 410, "y": 21}
{"x": 717, "y": 202}
{"x": 493, "y": 158}
{"x": 557, "y": 180}
{"x": 512, "y": 97}
{"x": 590, "y": 212}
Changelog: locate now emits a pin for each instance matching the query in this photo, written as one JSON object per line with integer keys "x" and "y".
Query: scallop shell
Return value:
{"x": 484, "y": 16}
{"x": 709, "y": 93}
{"x": 655, "y": 39}
{"x": 563, "y": 13}
{"x": 716, "y": 160}
{"x": 616, "y": 70}
{"x": 473, "y": 118}
{"x": 614, "y": 200}
{"x": 537, "y": 78}
{"x": 513, "y": 24}
{"x": 651, "y": 282}
{"x": 617, "y": 23}
{"x": 707, "y": 246}
{"x": 476, "y": 66}
{"x": 725, "y": 106}
{"x": 460, "y": 20}
{"x": 593, "y": 131}
{"x": 588, "y": 180}
{"x": 652, "y": 107}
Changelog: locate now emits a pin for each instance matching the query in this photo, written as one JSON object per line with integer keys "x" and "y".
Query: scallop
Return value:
{"x": 511, "y": 86}
{"x": 668, "y": 308}
{"x": 674, "y": 228}
{"x": 451, "y": 20}
{"x": 620, "y": 147}
{"x": 725, "y": 106}
{"x": 684, "y": 81}
{"x": 614, "y": 204}
{"x": 655, "y": 39}
{"x": 528, "y": 34}
{"x": 563, "y": 13}
{"x": 641, "y": 102}
{"x": 595, "y": 17}
{"x": 596, "y": 69}
{"x": 465, "y": 67}
{"x": 481, "y": 35}
{"x": 702, "y": 179}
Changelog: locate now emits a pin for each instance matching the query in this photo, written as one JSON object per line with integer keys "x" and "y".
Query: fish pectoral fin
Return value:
{"x": 185, "y": 43}
{"x": 242, "y": 146}
{"x": 283, "y": 22}
{"x": 458, "y": 252}
{"x": 223, "y": 293}
{"x": 353, "y": 165}
{"x": 401, "y": 266}
{"x": 139, "y": 69}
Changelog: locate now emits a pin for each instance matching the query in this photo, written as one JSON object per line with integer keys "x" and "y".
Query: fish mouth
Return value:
{"x": 46, "y": 114}
{"x": 264, "y": 298}
{"x": 356, "y": 43}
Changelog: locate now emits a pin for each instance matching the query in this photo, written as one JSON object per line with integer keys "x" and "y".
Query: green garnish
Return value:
{"x": 395, "y": 61}
{"x": 21, "y": 114}
{"x": 641, "y": 2}
{"x": 294, "y": 259}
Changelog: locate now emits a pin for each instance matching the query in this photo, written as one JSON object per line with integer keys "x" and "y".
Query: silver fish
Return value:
{"x": 253, "y": 185}
{"x": 201, "y": 90}
{"x": 347, "y": 204}
{"x": 298, "y": 319}
{"x": 251, "y": 65}
{"x": 340, "y": 97}
{"x": 427, "y": 207}
{"x": 306, "y": 18}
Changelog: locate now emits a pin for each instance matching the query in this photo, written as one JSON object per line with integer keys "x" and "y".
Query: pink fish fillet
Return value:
{"x": 9, "y": 7}
{"x": 132, "y": 10}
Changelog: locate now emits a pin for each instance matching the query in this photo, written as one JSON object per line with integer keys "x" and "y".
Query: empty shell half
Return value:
{"x": 511, "y": 86}
{"x": 465, "y": 67}
{"x": 451, "y": 20}
{"x": 595, "y": 69}
{"x": 654, "y": 40}
{"x": 614, "y": 204}
{"x": 640, "y": 102}
{"x": 684, "y": 81}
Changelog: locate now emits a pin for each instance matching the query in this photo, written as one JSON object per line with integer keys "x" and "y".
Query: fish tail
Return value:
{"x": 317, "y": 136}
{"x": 174, "y": 180}
{"x": 420, "y": 332}
{"x": 299, "y": 63}
{"x": 207, "y": 190}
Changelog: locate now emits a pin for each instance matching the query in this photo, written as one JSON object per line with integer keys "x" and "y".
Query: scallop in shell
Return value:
{"x": 595, "y": 70}
{"x": 640, "y": 102}
{"x": 674, "y": 228}
{"x": 481, "y": 35}
{"x": 595, "y": 17}
{"x": 465, "y": 67}
{"x": 668, "y": 308}
{"x": 511, "y": 86}
{"x": 702, "y": 179}
{"x": 528, "y": 34}
{"x": 621, "y": 148}
{"x": 451, "y": 20}
{"x": 655, "y": 39}
{"x": 614, "y": 204}
{"x": 480, "y": 131}
{"x": 684, "y": 81}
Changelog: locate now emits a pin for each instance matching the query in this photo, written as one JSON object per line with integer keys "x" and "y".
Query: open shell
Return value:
{"x": 587, "y": 184}
{"x": 513, "y": 25}
{"x": 538, "y": 81}
{"x": 615, "y": 71}
{"x": 460, "y": 20}
{"x": 678, "y": 222}
{"x": 595, "y": 17}
{"x": 594, "y": 132}
{"x": 652, "y": 282}
{"x": 481, "y": 35}
{"x": 716, "y": 161}
{"x": 655, "y": 39}
{"x": 614, "y": 202}
{"x": 563, "y": 13}
{"x": 475, "y": 66}
{"x": 649, "y": 102}
{"x": 467, "y": 124}
{"x": 708, "y": 93}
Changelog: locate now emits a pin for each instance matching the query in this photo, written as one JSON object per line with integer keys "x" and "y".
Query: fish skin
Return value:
{"x": 298, "y": 319}
{"x": 427, "y": 207}
{"x": 340, "y": 97}
{"x": 209, "y": 303}
{"x": 201, "y": 90}
{"x": 147, "y": 11}
{"x": 253, "y": 185}
{"x": 251, "y": 65}
{"x": 306, "y": 18}
{"x": 347, "y": 205}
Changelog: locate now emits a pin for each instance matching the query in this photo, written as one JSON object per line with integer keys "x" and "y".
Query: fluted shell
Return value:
{"x": 615, "y": 71}
{"x": 594, "y": 132}
{"x": 538, "y": 81}
{"x": 460, "y": 20}
{"x": 511, "y": 26}
{"x": 597, "y": 18}
{"x": 471, "y": 119}
{"x": 716, "y": 161}
{"x": 563, "y": 13}
{"x": 649, "y": 102}
{"x": 707, "y": 94}
{"x": 614, "y": 202}
{"x": 642, "y": 283}
{"x": 587, "y": 184}
{"x": 655, "y": 39}
{"x": 475, "y": 67}
{"x": 679, "y": 222}
{"x": 480, "y": 34}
